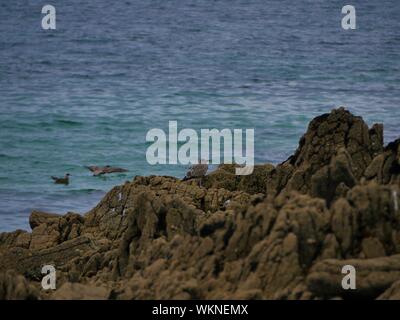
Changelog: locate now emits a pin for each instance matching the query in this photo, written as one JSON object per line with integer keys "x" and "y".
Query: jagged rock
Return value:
{"x": 278, "y": 178}
{"x": 14, "y": 286}
{"x": 337, "y": 134}
{"x": 109, "y": 218}
{"x": 175, "y": 269}
{"x": 281, "y": 233}
{"x": 393, "y": 293}
{"x": 77, "y": 291}
{"x": 385, "y": 167}
{"x": 37, "y": 218}
{"x": 18, "y": 238}
{"x": 50, "y": 229}
{"x": 44, "y": 236}
{"x": 288, "y": 242}
{"x": 224, "y": 177}
{"x": 372, "y": 248}
{"x": 29, "y": 262}
{"x": 154, "y": 217}
{"x": 368, "y": 212}
{"x": 325, "y": 183}
{"x": 257, "y": 181}
{"x": 373, "y": 277}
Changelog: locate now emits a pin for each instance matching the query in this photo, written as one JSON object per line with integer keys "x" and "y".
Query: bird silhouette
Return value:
{"x": 196, "y": 171}
{"x": 97, "y": 171}
{"x": 64, "y": 180}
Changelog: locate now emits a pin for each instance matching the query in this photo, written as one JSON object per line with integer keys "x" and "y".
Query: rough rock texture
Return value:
{"x": 374, "y": 276}
{"x": 49, "y": 229}
{"x": 283, "y": 232}
{"x": 77, "y": 291}
{"x": 393, "y": 293}
{"x": 385, "y": 168}
{"x": 14, "y": 286}
{"x": 334, "y": 152}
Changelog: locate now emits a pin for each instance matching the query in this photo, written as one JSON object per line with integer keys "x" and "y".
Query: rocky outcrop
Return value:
{"x": 385, "y": 167}
{"x": 14, "y": 286}
{"x": 393, "y": 293}
{"x": 49, "y": 229}
{"x": 332, "y": 155}
{"x": 29, "y": 262}
{"x": 373, "y": 277}
{"x": 283, "y": 232}
{"x": 77, "y": 291}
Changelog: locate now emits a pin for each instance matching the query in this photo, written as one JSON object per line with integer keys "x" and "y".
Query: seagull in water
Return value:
{"x": 64, "y": 180}
{"x": 97, "y": 171}
{"x": 197, "y": 171}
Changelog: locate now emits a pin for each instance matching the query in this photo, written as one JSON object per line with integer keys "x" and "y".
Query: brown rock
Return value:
{"x": 77, "y": 291}
{"x": 14, "y": 286}
{"x": 338, "y": 135}
{"x": 385, "y": 167}
{"x": 393, "y": 293}
{"x": 281, "y": 233}
{"x": 373, "y": 277}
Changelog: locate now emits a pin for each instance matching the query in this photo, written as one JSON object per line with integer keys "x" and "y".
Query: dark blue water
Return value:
{"x": 88, "y": 92}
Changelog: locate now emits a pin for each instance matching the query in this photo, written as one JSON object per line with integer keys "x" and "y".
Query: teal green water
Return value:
{"x": 88, "y": 92}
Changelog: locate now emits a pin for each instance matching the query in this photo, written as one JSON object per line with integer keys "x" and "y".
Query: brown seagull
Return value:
{"x": 196, "y": 171}
{"x": 97, "y": 171}
{"x": 64, "y": 180}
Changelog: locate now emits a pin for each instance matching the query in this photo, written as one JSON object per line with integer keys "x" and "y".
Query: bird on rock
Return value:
{"x": 197, "y": 171}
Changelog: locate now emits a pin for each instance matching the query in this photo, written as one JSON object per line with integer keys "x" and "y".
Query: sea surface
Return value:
{"x": 88, "y": 92}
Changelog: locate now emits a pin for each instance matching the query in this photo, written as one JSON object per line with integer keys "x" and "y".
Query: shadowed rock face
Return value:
{"x": 332, "y": 155}
{"x": 283, "y": 232}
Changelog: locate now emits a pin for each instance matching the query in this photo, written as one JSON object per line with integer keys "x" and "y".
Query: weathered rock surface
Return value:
{"x": 283, "y": 232}
{"x": 373, "y": 276}
{"x": 29, "y": 262}
{"x": 385, "y": 167}
{"x": 77, "y": 291}
{"x": 393, "y": 293}
{"x": 14, "y": 286}
{"x": 335, "y": 150}
{"x": 49, "y": 229}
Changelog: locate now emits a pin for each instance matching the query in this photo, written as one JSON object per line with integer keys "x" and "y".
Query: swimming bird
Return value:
{"x": 97, "y": 171}
{"x": 197, "y": 171}
{"x": 64, "y": 180}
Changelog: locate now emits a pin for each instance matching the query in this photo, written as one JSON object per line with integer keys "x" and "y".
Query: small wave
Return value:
{"x": 85, "y": 191}
{"x": 69, "y": 123}
{"x": 7, "y": 156}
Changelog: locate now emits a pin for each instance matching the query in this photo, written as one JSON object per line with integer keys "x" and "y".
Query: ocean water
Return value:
{"x": 88, "y": 92}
